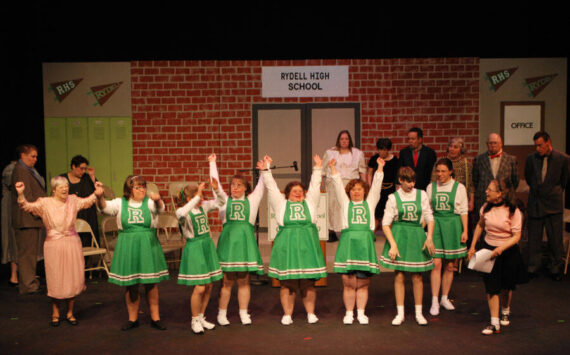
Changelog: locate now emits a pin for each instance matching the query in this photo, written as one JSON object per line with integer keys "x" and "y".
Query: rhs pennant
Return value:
{"x": 499, "y": 77}
{"x": 103, "y": 93}
{"x": 62, "y": 89}
{"x": 537, "y": 84}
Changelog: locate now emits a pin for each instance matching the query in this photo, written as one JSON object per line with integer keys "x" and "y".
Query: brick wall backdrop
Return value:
{"x": 184, "y": 110}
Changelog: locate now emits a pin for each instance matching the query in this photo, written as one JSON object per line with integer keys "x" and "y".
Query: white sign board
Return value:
{"x": 521, "y": 123}
{"x": 322, "y": 220}
{"x": 310, "y": 81}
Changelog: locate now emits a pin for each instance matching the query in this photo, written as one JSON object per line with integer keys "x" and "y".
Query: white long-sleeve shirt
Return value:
{"x": 372, "y": 198}
{"x": 278, "y": 202}
{"x": 254, "y": 197}
{"x": 114, "y": 208}
{"x": 194, "y": 206}
{"x": 391, "y": 211}
{"x": 460, "y": 206}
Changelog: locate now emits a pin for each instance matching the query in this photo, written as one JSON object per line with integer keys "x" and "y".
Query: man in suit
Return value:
{"x": 546, "y": 173}
{"x": 419, "y": 157}
{"x": 27, "y": 227}
{"x": 494, "y": 164}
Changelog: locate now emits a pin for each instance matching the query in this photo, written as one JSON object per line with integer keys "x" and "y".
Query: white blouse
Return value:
{"x": 391, "y": 211}
{"x": 349, "y": 166}
{"x": 461, "y": 203}
{"x": 114, "y": 207}
{"x": 372, "y": 198}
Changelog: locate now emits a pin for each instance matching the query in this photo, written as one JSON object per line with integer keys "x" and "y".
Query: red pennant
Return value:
{"x": 499, "y": 77}
{"x": 62, "y": 89}
{"x": 537, "y": 84}
{"x": 103, "y": 93}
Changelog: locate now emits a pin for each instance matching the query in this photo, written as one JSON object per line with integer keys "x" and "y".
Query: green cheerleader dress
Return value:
{"x": 138, "y": 256}
{"x": 410, "y": 238}
{"x": 237, "y": 247}
{"x": 448, "y": 226}
{"x": 199, "y": 264}
{"x": 356, "y": 250}
{"x": 296, "y": 251}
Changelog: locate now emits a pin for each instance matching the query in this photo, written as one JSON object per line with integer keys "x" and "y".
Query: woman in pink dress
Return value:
{"x": 63, "y": 253}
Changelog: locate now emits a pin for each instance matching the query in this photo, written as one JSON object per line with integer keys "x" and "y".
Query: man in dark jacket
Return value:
{"x": 419, "y": 157}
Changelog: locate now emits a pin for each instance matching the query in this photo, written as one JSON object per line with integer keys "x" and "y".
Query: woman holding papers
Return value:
{"x": 502, "y": 222}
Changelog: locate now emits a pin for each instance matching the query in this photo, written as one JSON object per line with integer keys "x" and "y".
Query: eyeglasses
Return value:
{"x": 139, "y": 188}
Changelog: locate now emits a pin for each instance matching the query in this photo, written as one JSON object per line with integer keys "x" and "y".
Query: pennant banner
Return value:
{"x": 103, "y": 93}
{"x": 499, "y": 77}
{"x": 62, "y": 89}
{"x": 537, "y": 84}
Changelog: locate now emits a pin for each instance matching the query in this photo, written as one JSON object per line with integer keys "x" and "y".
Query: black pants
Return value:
{"x": 553, "y": 224}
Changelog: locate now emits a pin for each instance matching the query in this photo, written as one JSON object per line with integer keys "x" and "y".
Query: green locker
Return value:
{"x": 76, "y": 139}
{"x": 100, "y": 148}
{"x": 56, "y": 147}
{"x": 122, "y": 148}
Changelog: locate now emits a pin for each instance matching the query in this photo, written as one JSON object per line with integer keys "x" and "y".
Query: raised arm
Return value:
{"x": 338, "y": 186}
{"x": 183, "y": 211}
{"x": 376, "y": 187}
{"x": 314, "y": 192}
{"x": 275, "y": 196}
{"x": 220, "y": 197}
{"x": 35, "y": 207}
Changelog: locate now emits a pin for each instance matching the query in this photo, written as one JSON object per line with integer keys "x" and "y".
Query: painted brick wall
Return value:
{"x": 184, "y": 110}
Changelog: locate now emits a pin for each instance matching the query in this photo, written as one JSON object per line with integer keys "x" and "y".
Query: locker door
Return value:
{"x": 56, "y": 147}
{"x": 76, "y": 139}
{"x": 122, "y": 152}
{"x": 100, "y": 148}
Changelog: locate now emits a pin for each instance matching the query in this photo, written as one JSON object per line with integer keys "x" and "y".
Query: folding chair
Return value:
{"x": 168, "y": 233}
{"x": 110, "y": 232}
{"x": 81, "y": 226}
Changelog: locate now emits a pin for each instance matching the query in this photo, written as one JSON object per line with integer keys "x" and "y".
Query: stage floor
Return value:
{"x": 540, "y": 322}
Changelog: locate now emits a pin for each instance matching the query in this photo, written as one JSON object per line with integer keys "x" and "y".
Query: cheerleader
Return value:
{"x": 199, "y": 265}
{"x": 356, "y": 255}
{"x": 237, "y": 247}
{"x": 296, "y": 259}
{"x": 138, "y": 257}
{"x": 408, "y": 248}
{"x": 449, "y": 204}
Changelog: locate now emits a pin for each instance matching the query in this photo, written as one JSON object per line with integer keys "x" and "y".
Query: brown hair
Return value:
{"x": 407, "y": 174}
{"x": 130, "y": 183}
{"x": 350, "y": 144}
{"x": 187, "y": 191}
{"x": 355, "y": 182}
{"x": 291, "y": 185}
{"x": 505, "y": 187}
{"x": 244, "y": 181}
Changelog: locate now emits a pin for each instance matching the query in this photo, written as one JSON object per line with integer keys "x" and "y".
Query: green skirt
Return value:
{"x": 410, "y": 240}
{"x": 447, "y": 238}
{"x": 356, "y": 251}
{"x": 138, "y": 259}
{"x": 237, "y": 249}
{"x": 200, "y": 264}
{"x": 297, "y": 254}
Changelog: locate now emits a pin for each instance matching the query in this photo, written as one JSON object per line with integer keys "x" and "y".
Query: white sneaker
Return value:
{"x": 398, "y": 320}
{"x": 505, "y": 319}
{"x": 434, "y": 310}
{"x": 245, "y": 319}
{"x": 362, "y": 319}
{"x": 196, "y": 326}
{"x": 223, "y": 320}
{"x": 312, "y": 318}
{"x": 348, "y": 319}
{"x": 447, "y": 305}
{"x": 421, "y": 320}
{"x": 286, "y": 320}
{"x": 206, "y": 324}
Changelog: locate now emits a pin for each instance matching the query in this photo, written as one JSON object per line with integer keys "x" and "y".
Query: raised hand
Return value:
{"x": 260, "y": 165}
{"x": 318, "y": 161}
{"x": 332, "y": 166}
{"x": 212, "y": 158}
{"x": 381, "y": 163}
{"x": 268, "y": 160}
{"x": 20, "y": 187}
{"x": 154, "y": 196}
{"x": 201, "y": 188}
{"x": 99, "y": 189}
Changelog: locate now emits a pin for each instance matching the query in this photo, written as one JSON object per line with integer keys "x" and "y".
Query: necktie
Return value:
{"x": 544, "y": 167}
{"x": 415, "y": 158}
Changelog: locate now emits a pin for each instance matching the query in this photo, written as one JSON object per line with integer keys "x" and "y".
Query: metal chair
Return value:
{"x": 170, "y": 237}
{"x": 81, "y": 226}
{"x": 110, "y": 232}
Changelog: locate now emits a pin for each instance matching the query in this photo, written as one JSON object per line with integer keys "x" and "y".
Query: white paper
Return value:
{"x": 481, "y": 261}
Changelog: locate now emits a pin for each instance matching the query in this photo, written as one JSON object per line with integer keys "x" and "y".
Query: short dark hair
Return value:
{"x": 418, "y": 131}
{"x": 355, "y": 182}
{"x": 384, "y": 143}
{"x": 291, "y": 185}
{"x": 78, "y": 160}
{"x": 25, "y": 148}
{"x": 130, "y": 183}
{"x": 407, "y": 174}
{"x": 244, "y": 181}
{"x": 541, "y": 134}
{"x": 350, "y": 144}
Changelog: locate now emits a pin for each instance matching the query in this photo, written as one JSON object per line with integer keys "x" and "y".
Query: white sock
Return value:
{"x": 243, "y": 312}
{"x": 400, "y": 310}
{"x": 506, "y": 310}
{"x": 443, "y": 298}
{"x": 434, "y": 299}
{"x": 419, "y": 310}
{"x": 495, "y": 322}
{"x": 360, "y": 312}
{"x": 222, "y": 312}
{"x": 349, "y": 314}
